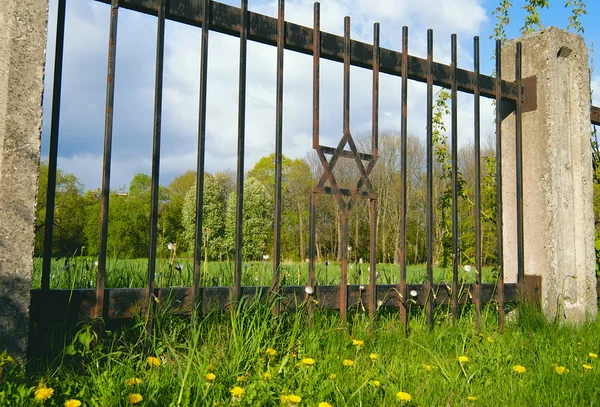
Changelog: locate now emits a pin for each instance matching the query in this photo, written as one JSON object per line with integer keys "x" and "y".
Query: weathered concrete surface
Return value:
{"x": 22, "y": 57}
{"x": 557, "y": 175}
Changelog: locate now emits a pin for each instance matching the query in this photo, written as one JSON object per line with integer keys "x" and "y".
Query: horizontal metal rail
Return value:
{"x": 124, "y": 303}
{"x": 226, "y": 19}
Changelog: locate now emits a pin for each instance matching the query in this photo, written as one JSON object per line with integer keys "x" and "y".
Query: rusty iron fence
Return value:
{"x": 116, "y": 303}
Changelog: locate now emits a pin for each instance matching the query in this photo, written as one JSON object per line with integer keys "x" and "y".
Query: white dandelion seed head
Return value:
{"x": 413, "y": 293}
{"x": 361, "y": 288}
{"x": 265, "y": 257}
{"x": 468, "y": 268}
{"x": 379, "y": 303}
{"x": 349, "y": 248}
{"x": 307, "y": 260}
{"x": 171, "y": 247}
{"x": 376, "y": 274}
{"x": 309, "y": 290}
{"x": 360, "y": 260}
{"x": 256, "y": 278}
{"x": 96, "y": 263}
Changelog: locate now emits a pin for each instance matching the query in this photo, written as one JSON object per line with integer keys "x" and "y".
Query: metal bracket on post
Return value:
{"x": 529, "y": 94}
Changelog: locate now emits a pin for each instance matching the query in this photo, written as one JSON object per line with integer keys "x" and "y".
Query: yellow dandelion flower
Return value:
{"x": 403, "y": 396}
{"x": 266, "y": 376}
{"x": 297, "y": 364}
{"x": 489, "y": 339}
{"x": 72, "y": 403}
{"x": 284, "y": 399}
{"x": 43, "y": 393}
{"x": 241, "y": 378}
{"x": 210, "y": 376}
{"x": 348, "y": 362}
{"x": 133, "y": 381}
{"x": 153, "y": 361}
{"x": 271, "y": 352}
{"x": 519, "y": 369}
{"x": 292, "y": 398}
{"x": 237, "y": 392}
{"x": 358, "y": 343}
{"x": 587, "y": 367}
{"x": 308, "y": 361}
{"x": 134, "y": 398}
{"x": 463, "y": 359}
{"x": 472, "y": 398}
{"x": 593, "y": 355}
{"x": 375, "y": 383}
{"x": 561, "y": 369}
{"x": 373, "y": 356}
{"x": 332, "y": 376}
{"x": 324, "y": 404}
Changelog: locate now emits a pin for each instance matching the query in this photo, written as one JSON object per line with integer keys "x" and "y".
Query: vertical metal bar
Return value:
{"x": 316, "y": 72}
{"x": 373, "y": 257}
{"x": 375, "y": 118}
{"x": 375, "y": 154}
{"x": 454, "y": 135}
{"x": 345, "y": 211}
{"x": 53, "y": 152}
{"x": 312, "y": 243}
{"x": 278, "y": 144}
{"x": 429, "y": 178}
{"x": 346, "y": 76}
{"x": 315, "y": 140}
{"x": 108, "y": 130}
{"x": 158, "y": 88}
{"x": 201, "y": 152}
{"x": 499, "y": 226}
{"x": 239, "y": 212}
{"x": 477, "y": 130}
{"x": 344, "y": 271}
{"x": 403, "y": 186}
{"x": 519, "y": 173}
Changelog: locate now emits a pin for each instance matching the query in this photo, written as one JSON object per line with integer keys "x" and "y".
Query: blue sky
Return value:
{"x": 84, "y": 86}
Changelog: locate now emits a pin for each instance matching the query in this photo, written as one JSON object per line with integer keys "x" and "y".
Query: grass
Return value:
{"x": 199, "y": 363}
{"x": 80, "y": 272}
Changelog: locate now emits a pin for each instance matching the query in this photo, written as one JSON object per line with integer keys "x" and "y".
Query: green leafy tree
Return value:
{"x": 128, "y": 220}
{"x": 69, "y": 214}
{"x": 171, "y": 223}
{"x": 213, "y": 218}
{"x": 257, "y": 223}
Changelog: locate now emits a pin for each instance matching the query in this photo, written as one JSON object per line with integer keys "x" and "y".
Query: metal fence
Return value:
{"x": 112, "y": 303}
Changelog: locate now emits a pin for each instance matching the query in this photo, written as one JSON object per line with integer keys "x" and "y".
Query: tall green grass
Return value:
{"x": 265, "y": 357}
{"x": 80, "y": 272}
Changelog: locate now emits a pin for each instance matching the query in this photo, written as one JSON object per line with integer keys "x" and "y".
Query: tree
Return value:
{"x": 257, "y": 223}
{"x": 171, "y": 221}
{"x": 213, "y": 218}
{"x": 128, "y": 220}
{"x": 69, "y": 214}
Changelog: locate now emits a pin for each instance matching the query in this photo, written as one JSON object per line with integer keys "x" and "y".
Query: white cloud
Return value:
{"x": 82, "y": 119}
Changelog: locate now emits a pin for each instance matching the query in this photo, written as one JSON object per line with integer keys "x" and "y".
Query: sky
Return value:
{"x": 81, "y": 129}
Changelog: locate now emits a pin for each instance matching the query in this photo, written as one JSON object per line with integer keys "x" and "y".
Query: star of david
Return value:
{"x": 363, "y": 181}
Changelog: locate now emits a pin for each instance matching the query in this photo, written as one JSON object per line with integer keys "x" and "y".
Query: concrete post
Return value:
{"x": 557, "y": 175}
{"x": 22, "y": 58}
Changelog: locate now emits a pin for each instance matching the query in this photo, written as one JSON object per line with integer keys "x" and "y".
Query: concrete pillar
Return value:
{"x": 557, "y": 175}
{"x": 22, "y": 59}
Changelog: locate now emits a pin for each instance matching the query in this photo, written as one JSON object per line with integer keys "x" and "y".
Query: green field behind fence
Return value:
{"x": 80, "y": 272}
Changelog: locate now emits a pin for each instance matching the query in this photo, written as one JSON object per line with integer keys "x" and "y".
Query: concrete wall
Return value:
{"x": 22, "y": 59}
{"x": 557, "y": 174}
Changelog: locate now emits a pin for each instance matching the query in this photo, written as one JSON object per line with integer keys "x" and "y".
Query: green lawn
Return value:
{"x": 250, "y": 358}
{"x": 127, "y": 273}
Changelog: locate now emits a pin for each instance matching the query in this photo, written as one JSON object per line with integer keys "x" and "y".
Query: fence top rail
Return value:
{"x": 226, "y": 19}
